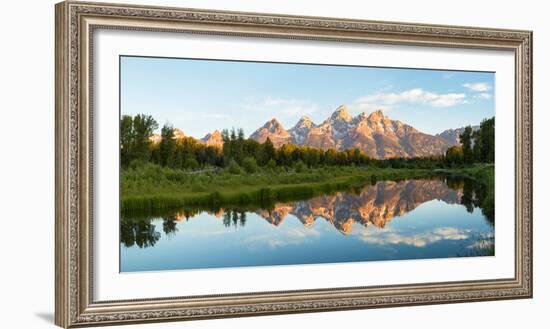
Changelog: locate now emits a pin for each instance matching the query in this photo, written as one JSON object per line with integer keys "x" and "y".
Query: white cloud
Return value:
{"x": 486, "y": 240}
{"x": 417, "y": 240}
{"x": 416, "y": 95}
{"x": 282, "y": 238}
{"x": 484, "y": 96}
{"x": 478, "y": 86}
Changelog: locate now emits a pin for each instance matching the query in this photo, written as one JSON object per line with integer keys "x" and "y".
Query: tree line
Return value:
{"x": 476, "y": 146}
{"x": 236, "y": 153}
{"x": 248, "y": 153}
{"x": 240, "y": 154}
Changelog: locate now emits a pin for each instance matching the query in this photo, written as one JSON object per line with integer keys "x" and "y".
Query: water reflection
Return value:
{"x": 360, "y": 215}
{"x": 373, "y": 205}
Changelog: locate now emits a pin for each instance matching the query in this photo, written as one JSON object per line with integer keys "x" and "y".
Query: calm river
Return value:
{"x": 409, "y": 219}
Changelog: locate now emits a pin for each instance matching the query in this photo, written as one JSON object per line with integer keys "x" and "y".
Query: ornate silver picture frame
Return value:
{"x": 76, "y": 22}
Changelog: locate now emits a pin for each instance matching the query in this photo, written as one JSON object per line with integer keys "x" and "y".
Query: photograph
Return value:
{"x": 227, "y": 163}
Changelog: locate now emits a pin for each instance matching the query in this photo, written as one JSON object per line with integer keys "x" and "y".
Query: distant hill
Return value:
{"x": 452, "y": 135}
{"x": 213, "y": 139}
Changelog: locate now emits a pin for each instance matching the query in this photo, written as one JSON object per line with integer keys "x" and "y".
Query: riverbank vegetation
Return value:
{"x": 476, "y": 146}
{"x": 481, "y": 195}
{"x": 151, "y": 186}
{"x": 174, "y": 172}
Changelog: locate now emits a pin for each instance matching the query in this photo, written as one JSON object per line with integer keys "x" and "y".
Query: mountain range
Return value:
{"x": 375, "y": 134}
{"x": 452, "y": 136}
{"x": 211, "y": 139}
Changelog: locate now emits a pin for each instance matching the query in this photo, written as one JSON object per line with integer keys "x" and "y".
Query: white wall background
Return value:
{"x": 27, "y": 182}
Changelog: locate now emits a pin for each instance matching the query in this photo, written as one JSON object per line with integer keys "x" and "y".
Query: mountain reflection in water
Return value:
{"x": 363, "y": 214}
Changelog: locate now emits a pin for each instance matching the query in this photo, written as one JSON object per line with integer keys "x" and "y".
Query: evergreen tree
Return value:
{"x": 178, "y": 159}
{"x": 466, "y": 141}
{"x": 269, "y": 152}
{"x": 487, "y": 137}
{"x": 477, "y": 155}
{"x": 167, "y": 146}
{"x": 143, "y": 128}
{"x": 126, "y": 139}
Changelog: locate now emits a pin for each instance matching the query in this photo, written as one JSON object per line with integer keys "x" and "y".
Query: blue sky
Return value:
{"x": 199, "y": 96}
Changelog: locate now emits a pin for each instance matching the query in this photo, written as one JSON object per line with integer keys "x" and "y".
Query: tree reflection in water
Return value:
{"x": 367, "y": 205}
{"x": 138, "y": 231}
{"x": 474, "y": 195}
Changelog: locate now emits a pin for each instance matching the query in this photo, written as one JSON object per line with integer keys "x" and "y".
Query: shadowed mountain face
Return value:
{"x": 452, "y": 136}
{"x": 375, "y": 134}
{"x": 374, "y": 205}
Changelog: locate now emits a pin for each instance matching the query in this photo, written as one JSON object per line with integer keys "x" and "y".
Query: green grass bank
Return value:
{"x": 150, "y": 187}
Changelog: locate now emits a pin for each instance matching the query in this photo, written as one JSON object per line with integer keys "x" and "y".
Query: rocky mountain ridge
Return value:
{"x": 452, "y": 136}
{"x": 375, "y": 134}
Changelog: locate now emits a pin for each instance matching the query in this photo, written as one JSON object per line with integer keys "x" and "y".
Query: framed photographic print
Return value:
{"x": 216, "y": 164}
